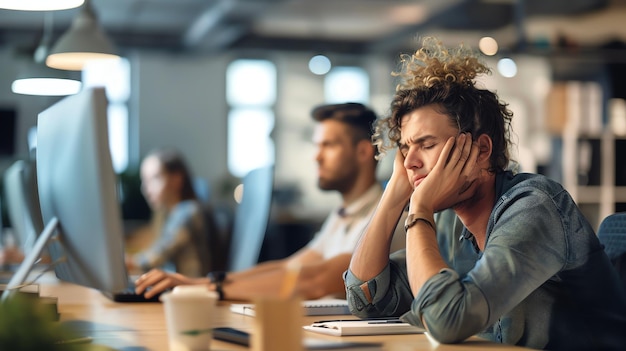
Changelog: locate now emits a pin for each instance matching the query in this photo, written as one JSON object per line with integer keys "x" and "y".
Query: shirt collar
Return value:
{"x": 364, "y": 203}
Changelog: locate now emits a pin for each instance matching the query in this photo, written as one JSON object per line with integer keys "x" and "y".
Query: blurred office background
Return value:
{"x": 231, "y": 83}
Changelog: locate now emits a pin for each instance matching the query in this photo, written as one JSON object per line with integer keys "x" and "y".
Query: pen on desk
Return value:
{"x": 339, "y": 320}
{"x": 388, "y": 321}
{"x": 369, "y": 321}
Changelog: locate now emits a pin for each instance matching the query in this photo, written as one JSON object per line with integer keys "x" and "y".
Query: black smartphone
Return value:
{"x": 236, "y": 336}
{"x": 240, "y": 337}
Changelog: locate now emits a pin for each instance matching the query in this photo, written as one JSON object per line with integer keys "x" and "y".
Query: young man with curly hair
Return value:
{"x": 526, "y": 269}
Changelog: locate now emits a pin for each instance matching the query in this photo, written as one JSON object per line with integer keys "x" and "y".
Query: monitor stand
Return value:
{"x": 19, "y": 277}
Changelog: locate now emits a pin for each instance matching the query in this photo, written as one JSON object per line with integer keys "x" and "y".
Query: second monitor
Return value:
{"x": 78, "y": 195}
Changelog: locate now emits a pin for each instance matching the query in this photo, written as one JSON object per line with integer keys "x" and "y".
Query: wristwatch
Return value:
{"x": 218, "y": 278}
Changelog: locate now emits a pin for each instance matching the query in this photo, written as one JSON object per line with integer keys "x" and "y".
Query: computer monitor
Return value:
{"x": 251, "y": 218}
{"x": 78, "y": 196}
{"x": 22, "y": 203}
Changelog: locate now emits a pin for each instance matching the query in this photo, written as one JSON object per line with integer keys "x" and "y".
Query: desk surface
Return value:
{"x": 141, "y": 326}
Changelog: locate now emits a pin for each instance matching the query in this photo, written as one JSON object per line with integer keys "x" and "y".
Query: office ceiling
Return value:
{"x": 352, "y": 26}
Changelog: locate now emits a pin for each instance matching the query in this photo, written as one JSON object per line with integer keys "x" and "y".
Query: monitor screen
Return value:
{"x": 22, "y": 203}
{"x": 251, "y": 218}
{"x": 78, "y": 196}
{"x": 8, "y": 117}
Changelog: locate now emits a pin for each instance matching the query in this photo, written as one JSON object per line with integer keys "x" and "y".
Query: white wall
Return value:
{"x": 180, "y": 101}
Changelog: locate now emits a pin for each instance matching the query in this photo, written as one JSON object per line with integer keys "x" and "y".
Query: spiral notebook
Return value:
{"x": 322, "y": 307}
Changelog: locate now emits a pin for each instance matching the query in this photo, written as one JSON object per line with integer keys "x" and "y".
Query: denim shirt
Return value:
{"x": 542, "y": 281}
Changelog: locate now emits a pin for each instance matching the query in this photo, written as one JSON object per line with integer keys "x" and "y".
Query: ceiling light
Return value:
{"x": 44, "y": 81}
{"x": 319, "y": 64}
{"x": 40, "y": 5}
{"x": 84, "y": 41}
{"x": 488, "y": 45}
{"x": 37, "y": 79}
{"x": 507, "y": 67}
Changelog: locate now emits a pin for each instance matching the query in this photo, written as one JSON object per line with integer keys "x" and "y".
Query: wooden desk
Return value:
{"x": 141, "y": 326}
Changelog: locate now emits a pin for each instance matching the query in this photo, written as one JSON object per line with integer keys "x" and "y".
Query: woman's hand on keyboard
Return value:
{"x": 156, "y": 281}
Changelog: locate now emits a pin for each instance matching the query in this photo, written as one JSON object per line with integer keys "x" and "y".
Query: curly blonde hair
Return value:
{"x": 445, "y": 79}
{"x": 434, "y": 64}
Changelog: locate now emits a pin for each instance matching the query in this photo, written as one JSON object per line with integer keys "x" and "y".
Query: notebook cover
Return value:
{"x": 322, "y": 307}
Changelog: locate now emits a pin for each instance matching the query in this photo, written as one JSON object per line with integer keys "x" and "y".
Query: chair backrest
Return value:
{"x": 22, "y": 201}
{"x": 217, "y": 237}
{"x": 612, "y": 234}
{"x": 251, "y": 219}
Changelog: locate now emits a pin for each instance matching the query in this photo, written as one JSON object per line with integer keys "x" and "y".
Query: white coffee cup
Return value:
{"x": 189, "y": 314}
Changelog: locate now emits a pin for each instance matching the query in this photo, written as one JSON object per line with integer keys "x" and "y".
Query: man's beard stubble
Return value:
{"x": 341, "y": 184}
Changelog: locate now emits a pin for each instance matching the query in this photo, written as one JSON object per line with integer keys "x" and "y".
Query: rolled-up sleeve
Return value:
{"x": 454, "y": 321}
{"x": 387, "y": 294}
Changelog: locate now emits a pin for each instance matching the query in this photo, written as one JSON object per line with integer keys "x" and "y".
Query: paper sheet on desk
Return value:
{"x": 363, "y": 327}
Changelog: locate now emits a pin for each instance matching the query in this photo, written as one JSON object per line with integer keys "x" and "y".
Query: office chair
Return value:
{"x": 218, "y": 232}
{"x": 612, "y": 235}
{"x": 251, "y": 219}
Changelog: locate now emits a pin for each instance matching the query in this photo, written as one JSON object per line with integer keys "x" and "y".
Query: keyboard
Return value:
{"x": 129, "y": 295}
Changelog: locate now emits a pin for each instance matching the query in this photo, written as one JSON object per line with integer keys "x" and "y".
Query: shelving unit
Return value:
{"x": 589, "y": 152}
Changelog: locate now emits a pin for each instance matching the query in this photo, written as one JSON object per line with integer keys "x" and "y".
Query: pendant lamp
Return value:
{"x": 83, "y": 42}
{"x": 44, "y": 81}
{"x": 37, "y": 79}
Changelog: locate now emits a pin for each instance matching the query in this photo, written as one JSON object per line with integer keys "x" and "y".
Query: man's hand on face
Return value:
{"x": 453, "y": 178}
